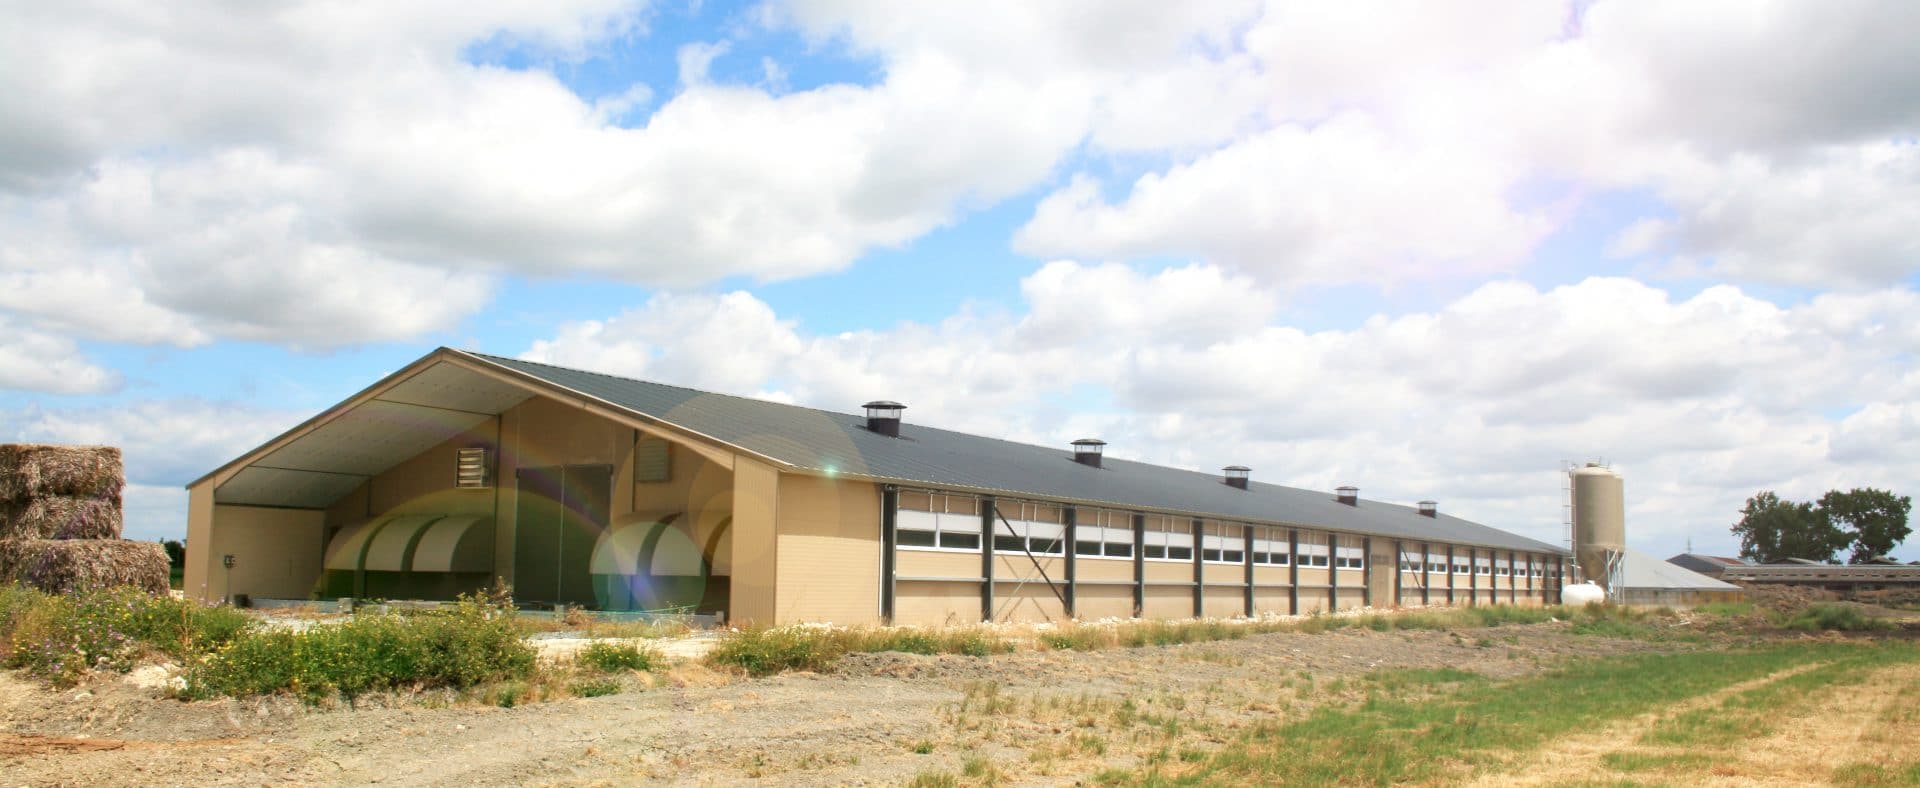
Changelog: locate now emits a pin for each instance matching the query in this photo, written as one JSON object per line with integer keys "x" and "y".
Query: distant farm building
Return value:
{"x": 1709, "y": 565}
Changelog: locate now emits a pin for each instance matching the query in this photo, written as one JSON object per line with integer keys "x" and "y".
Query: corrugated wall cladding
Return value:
{"x": 829, "y": 551}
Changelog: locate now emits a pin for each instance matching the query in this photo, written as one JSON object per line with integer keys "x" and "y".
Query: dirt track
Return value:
{"x": 860, "y": 724}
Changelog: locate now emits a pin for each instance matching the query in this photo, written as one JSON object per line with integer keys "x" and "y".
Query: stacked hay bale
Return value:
{"x": 60, "y": 521}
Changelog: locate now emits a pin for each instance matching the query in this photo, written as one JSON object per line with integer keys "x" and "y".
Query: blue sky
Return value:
{"x": 1430, "y": 253}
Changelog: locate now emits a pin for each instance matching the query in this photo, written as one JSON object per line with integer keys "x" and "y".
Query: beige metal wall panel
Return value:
{"x": 197, "y": 579}
{"x": 829, "y": 553}
{"x": 1274, "y": 601}
{"x": 916, "y": 500}
{"x": 353, "y": 507}
{"x": 424, "y": 483}
{"x": 1313, "y": 577}
{"x": 1225, "y": 602}
{"x": 1018, "y": 565}
{"x": 1170, "y": 571}
{"x": 1030, "y": 603}
{"x": 276, "y": 552}
{"x": 1350, "y": 599}
{"x": 550, "y": 432}
{"x": 756, "y": 488}
{"x": 699, "y": 488}
{"x": 1382, "y": 564}
{"x": 937, "y": 604}
{"x": 1314, "y": 602}
{"x": 1097, "y": 602}
{"x": 928, "y": 563}
{"x": 1168, "y": 602}
{"x": 1103, "y": 568}
{"x": 1225, "y": 574}
{"x": 1272, "y": 576}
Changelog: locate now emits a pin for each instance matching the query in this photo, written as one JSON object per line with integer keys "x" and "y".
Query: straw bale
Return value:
{"x": 29, "y": 470}
{"x": 62, "y": 566}
{"x": 61, "y": 517}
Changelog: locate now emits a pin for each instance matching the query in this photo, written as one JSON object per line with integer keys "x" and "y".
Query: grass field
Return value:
{"x": 1666, "y": 717}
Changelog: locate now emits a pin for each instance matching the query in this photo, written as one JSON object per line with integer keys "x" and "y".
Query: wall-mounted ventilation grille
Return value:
{"x": 652, "y": 460}
{"x": 472, "y": 470}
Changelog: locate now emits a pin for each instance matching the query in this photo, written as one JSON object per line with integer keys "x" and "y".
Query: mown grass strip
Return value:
{"x": 1758, "y": 711}
{"x": 1390, "y": 739}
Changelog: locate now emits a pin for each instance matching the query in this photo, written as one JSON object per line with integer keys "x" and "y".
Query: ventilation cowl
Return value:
{"x": 1237, "y": 475}
{"x": 883, "y": 416}
{"x": 1087, "y": 451}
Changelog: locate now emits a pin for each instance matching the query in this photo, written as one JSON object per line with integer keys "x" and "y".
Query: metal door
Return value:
{"x": 558, "y": 518}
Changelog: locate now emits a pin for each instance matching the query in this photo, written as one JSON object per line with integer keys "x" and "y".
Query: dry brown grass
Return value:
{"x": 61, "y": 517}
{"x": 62, "y": 566}
{"x": 29, "y": 470}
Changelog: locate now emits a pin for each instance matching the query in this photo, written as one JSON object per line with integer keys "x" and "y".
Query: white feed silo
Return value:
{"x": 1599, "y": 524}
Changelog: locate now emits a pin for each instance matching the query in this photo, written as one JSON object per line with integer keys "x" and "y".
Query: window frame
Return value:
{"x": 1215, "y": 538}
{"x": 1315, "y": 551}
{"x": 1170, "y": 533}
{"x": 1028, "y": 532}
{"x": 1102, "y": 522}
{"x": 962, "y": 524}
{"x": 1349, "y": 552}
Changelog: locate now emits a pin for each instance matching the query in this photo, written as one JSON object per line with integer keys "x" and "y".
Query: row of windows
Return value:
{"x": 943, "y": 521}
{"x": 1437, "y": 563}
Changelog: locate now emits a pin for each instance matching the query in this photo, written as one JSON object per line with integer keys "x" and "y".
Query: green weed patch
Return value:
{"x": 612, "y": 656}
{"x": 1841, "y": 618}
{"x": 459, "y": 646}
{"x": 59, "y": 637}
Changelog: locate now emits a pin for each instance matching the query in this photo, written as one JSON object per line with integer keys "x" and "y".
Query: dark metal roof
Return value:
{"x": 839, "y": 443}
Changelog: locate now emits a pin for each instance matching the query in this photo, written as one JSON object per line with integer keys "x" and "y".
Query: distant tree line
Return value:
{"x": 1867, "y": 521}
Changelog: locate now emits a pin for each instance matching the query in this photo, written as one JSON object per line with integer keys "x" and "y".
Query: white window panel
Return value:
{"x": 917, "y": 521}
{"x": 960, "y": 523}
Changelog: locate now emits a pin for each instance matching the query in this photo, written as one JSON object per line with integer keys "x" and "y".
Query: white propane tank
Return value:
{"x": 1581, "y": 595}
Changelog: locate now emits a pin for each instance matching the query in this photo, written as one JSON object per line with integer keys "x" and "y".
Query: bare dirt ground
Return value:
{"x": 877, "y": 719}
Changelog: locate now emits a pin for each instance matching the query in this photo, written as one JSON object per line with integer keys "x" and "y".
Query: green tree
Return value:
{"x": 1877, "y": 519}
{"x": 176, "y": 551}
{"x": 1771, "y": 529}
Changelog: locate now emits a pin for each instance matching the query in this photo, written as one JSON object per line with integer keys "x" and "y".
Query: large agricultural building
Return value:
{"x": 589, "y": 490}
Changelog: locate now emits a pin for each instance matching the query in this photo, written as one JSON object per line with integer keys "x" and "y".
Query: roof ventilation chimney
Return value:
{"x": 1347, "y": 494}
{"x": 1237, "y": 475}
{"x": 1429, "y": 509}
{"x": 883, "y": 416}
{"x": 1086, "y": 451}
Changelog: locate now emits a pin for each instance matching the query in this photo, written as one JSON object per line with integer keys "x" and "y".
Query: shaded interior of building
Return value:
{"x": 451, "y": 480}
